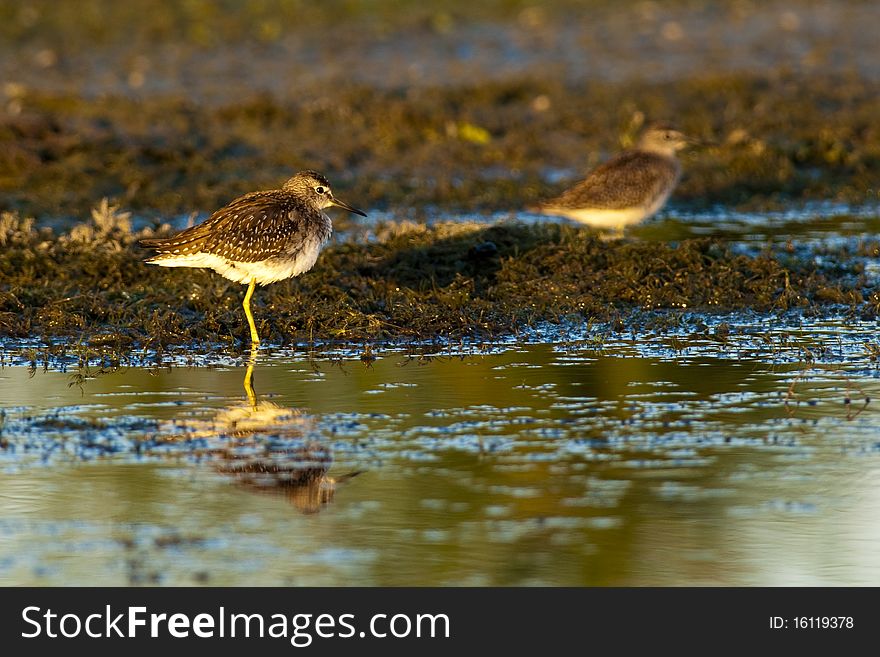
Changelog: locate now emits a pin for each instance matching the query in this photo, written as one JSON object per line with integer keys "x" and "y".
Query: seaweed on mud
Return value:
{"x": 90, "y": 286}
{"x": 464, "y": 148}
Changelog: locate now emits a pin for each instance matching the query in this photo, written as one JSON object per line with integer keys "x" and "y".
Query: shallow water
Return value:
{"x": 809, "y": 222}
{"x": 689, "y": 457}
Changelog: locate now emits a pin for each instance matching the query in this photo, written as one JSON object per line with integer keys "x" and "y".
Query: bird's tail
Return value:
{"x": 162, "y": 245}
{"x": 154, "y": 242}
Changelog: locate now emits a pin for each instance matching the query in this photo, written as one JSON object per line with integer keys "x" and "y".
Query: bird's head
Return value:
{"x": 664, "y": 139}
{"x": 315, "y": 188}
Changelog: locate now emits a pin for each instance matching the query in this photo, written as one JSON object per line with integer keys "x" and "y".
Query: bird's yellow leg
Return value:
{"x": 255, "y": 338}
{"x": 249, "y": 378}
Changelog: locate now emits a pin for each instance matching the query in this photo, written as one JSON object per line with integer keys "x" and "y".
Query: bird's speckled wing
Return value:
{"x": 252, "y": 228}
{"x": 631, "y": 179}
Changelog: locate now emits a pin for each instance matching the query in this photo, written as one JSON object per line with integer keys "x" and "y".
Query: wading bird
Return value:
{"x": 259, "y": 238}
{"x": 629, "y": 188}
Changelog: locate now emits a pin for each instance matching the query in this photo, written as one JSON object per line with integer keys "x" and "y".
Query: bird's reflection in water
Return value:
{"x": 271, "y": 449}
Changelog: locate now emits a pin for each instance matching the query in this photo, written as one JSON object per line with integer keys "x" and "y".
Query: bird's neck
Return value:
{"x": 663, "y": 150}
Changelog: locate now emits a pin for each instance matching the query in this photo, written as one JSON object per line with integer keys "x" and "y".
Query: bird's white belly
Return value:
{"x": 605, "y": 218}
{"x": 265, "y": 272}
{"x": 601, "y": 218}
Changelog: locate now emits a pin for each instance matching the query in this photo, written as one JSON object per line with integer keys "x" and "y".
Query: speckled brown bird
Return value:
{"x": 629, "y": 188}
{"x": 259, "y": 238}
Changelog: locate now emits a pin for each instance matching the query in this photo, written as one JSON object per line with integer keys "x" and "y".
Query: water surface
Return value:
{"x": 644, "y": 460}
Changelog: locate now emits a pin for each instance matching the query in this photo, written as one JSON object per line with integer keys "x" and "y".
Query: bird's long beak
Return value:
{"x": 346, "y": 206}
{"x": 701, "y": 143}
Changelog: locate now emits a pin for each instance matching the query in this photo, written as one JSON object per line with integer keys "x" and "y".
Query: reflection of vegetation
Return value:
{"x": 593, "y": 452}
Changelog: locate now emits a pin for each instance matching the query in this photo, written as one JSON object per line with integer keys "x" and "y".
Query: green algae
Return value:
{"x": 410, "y": 282}
{"x": 779, "y": 138}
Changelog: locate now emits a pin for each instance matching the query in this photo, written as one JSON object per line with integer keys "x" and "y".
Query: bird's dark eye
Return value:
{"x": 320, "y": 189}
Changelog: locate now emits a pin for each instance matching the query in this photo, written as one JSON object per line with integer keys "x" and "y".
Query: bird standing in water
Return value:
{"x": 259, "y": 238}
{"x": 629, "y": 188}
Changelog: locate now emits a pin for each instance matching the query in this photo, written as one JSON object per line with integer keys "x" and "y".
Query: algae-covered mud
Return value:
{"x": 460, "y": 391}
{"x": 407, "y": 282}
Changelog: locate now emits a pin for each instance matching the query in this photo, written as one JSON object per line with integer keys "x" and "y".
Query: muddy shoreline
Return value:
{"x": 409, "y": 282}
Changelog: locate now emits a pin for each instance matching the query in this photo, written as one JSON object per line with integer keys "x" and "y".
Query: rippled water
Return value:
{"x": 746, "y": 452}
